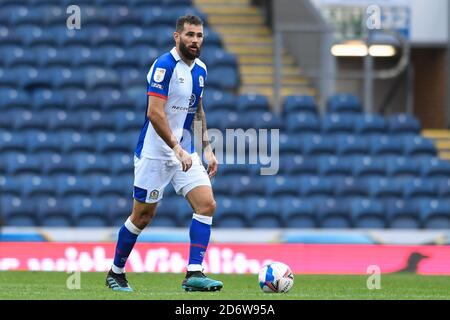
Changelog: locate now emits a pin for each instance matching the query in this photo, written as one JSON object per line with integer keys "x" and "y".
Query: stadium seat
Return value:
{"x": 402, "y": 167}
{"x": 215, "y": 100}
{"x": 75, "y": 141}
{"x": 24, "y": 119}
{"x": 435, "y": 214}
{"x": 344, "y": 103}
{"x": 33, "y": 35}
{"x": 136, "y": 35}
{"x": 334, "y": 166}
{"x": 418, "y": 188}
{"x": 262, "y": 120}
{"x": 118, "y": 209}
{"x": 8, "y": 35}
{"x": 47, "y": 56}
{"x": 366, "y": 167}
{"x": 22, "y": 163}
{"x": 368, "y": 213}
{"x": 115, "y": 100}
{"x": 39, "y": 141}
{"x": 54, "y": 163}
{"x": 248, "y": 186}
{"x": 298, "y": 213}
{"x": 333, "y": 214}
{"x": 402, "y": 214}
{"x": 230, "y": 213}
{"x": 108, "y": 142}
{"x": 315, "y": 187}
{"x": 12, "y": 141}
{"x": 63, "y": 78}
{"x": 13, "y": 98}
{"x": 384, "y": 188}
{"x": 352, "y": 145}
{"x": 386, "y": 145}
{"x": 91, "y": 163}
{"x": 290, "y": 144}
{"x": 10, "y": 185}
{"x": 121, "y": 15}
{"x": 83, "y": 56}
{"x": 95, "y": 120}
{"x": 403, "y": 124}
{"x": 252, "y": 102}
{"x": 370, "y": 123}
{"x": 221, "y": 184}
{"x": 106, "y": 185}
{"x": 299, "y": 103}
{"x": 116, "y": 57}
{"x": 276, "y": 186}
{"x": 224, "y": 78}
{"x": 316, "y": 145}
{"x": 122, "y": 163}
{"x": 418, "y": 146}
{"x": 350, "y": 188}
{"x": 47, "y": 99}
{"x": 214, "y": 57}
{"x": 435, "y": 167}
{"x": 263, "y": 213}
{"x": 338, "y": 123}
{"x": 299, "y": 165}
{"x": 303, "y": 123}
{"x": 37, "y": 185}
{"x": 72, "y": 185}
{"x": 97, "y": 78}
{"x": 53, "y": 212}
{"x": 87, "y": 212}
{"x": 443, "y": 187}
{"x": 13, "y": 56}
{"x": 17, "y": 212}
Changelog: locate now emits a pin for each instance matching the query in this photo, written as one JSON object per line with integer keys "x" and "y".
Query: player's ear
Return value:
{"x": 176, "y": 36}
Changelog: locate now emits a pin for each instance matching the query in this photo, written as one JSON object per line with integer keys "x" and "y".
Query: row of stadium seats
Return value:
{"x": 308, "y": 186}
{"x": 236, "y": 212}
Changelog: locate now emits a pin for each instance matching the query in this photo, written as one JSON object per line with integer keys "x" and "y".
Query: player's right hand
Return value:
{"x": 183, "y": 157}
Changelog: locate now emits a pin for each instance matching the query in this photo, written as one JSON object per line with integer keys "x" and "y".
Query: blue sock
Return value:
{"x": 127, "y": 238}
{"x": 199, "y": 234}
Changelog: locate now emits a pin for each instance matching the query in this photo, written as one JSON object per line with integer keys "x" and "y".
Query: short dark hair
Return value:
{"x": 189, "y": 19}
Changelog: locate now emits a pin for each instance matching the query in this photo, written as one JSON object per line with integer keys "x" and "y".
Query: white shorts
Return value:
{"x": 151, "y": 176}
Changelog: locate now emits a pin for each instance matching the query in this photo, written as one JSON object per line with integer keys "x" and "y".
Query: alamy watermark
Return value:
{"x": 74, "y": 20}
{"x": 374, "y": 280}
{"x": 373, "y": 21}
{"x": 73, "y": 282}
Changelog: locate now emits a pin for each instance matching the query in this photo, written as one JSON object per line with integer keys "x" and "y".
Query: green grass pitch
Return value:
{"x": 157, "y": 286}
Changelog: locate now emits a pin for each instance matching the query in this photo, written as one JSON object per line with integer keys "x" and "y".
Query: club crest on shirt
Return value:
{"x": 201, "y": 81}
{"x": 192, "y": 100}
{"x": 158, "y": 76}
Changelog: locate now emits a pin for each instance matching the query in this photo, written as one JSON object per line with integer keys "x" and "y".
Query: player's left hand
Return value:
{"x": 212, "y": 164}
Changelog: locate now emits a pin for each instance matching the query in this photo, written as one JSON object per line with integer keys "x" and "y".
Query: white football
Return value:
{"x": 276, "y": 277}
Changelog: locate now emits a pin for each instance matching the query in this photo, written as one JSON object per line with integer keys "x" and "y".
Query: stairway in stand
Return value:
{"x": 441, "y": 139}
{"x": 244, "y": 34}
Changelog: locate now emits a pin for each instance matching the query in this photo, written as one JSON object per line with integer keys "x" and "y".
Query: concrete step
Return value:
{"x": 266, "y": 70}
{"x": 222, "y": 2}
{"x": 229, "y": 10}
{"x": 266, "y": 60}
{"x": 249, "y": 50}
{"x": 268, "y": 80}
{"x": 250, "y": 41}
{"x": 217, "y": 20}
{"x": 239, "y": 30}
{"x": 436, "y": 133}
{"x": 443, "y": 144}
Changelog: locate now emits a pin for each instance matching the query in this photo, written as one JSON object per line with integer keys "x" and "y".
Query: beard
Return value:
{"x": 187, "y": 53}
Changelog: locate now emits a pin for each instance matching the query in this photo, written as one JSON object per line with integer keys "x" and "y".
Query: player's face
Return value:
{"x": 190, "y": 40}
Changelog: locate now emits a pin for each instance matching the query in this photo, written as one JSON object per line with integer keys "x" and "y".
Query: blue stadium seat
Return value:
{"x": 46, "y": 56}
{"x": 72, "y": 185}
{"x": 109, "y": 142}
{"x": 91, "y": 163}
{"x": 213, "y": 39}
{"x": 88, "y": 212}
{"x": 83, "y": 56}
{"x": 402, "y": 167}
{"x": 370, "y": 123}
{"x": 135, "y": 35}
{"x": 116, "y": 57}
{"x": 263, "y": 213}
{"x": 221, "y": 184}
{"x": 12, "y": 141}
{"x": 435, "y": 167}
{"x": 12, "y": 98}
{"x": 249, "y": 102}
{"x": 386, "y": 145}
{"x": 145, "y": 56}
{"x": 53, "y": 212}
{"x": 402, "y": 214}
{"x": 120, "y": 14}
{"x": 93, "y": 18}
{"x": 8, "y": 77}
{"x": 290, "y": 144}
{"x": 281, "y": 185}
{"x": 418, "y": 146}
{"x": 366, "y": 167}
{"x": 39, "y": 141}
{"x": 215, "y": 100}
{"x": 223, "y": 78}
{"x": 131, "y": 77}
{"x": 317, "y": 144}
{"x": 96, "y": 78}
{"x": 418, "y": 188}
{"x": 334, "y": 166}
{"x": 230, "y": 213}
{"x": 344, "y": 103}
{"x": 333, "y": 214}
{"x": 114, "y": 100}
{"x": 47, "y": 99}
{"x": 17, "y": 212}
{"x": 338, "y": 123}
{"x": 54, "y": 14}
{"x": 303, "y": 123}
{"x": 435, "y": 214}
{"x": 299, "y": 103}
{"x": 122, "y": 163}
{"x": 350, "y": 188}
{"x": 300, "y": 165}
{"x": 24, "y": 119}
{"x": 262, "y": 120}
{"x": 21, "y": 163}
{"x": 298, "y": 213}
{"x": 248, "y": 186}
{"x": 443, "y": 187}
{"x": 8, "y": 35}
{"x": 65, "y": 37}
{"x": 352, "y": 145}
{"x": 385, "y": 188}
{"x": 75, "y": 141}
{"x": 368, "y": 213}
{"x": 10, "y": 185}
{"x": 214, "y": 57}
{"x": 95, "y": 120}
{"x": 33, "y": 35}
{"x": 78, "y": 99}
{"x": 403, "y": 123}
{"x": 105, "y": 185}
{"x": 36, "y": 185}
{"x": 58, "y": 120}
{"x": 13, "y": 56}
{"x": 313, "y": 186}
{"x": 62, "y": 78}
{"x": 55, "y": 163}
{"x": 117, "y": 208}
